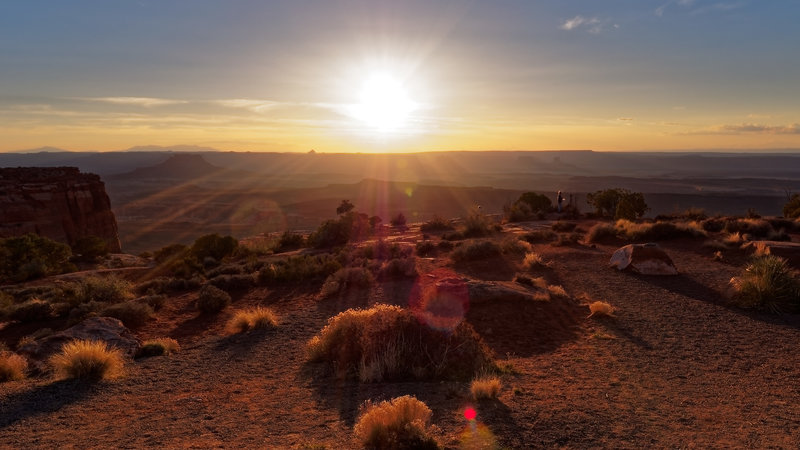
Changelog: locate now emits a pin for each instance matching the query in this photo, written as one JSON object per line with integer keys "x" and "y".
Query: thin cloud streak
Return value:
{"x": 749, "y": 128}
{"x": 147, "y": 102}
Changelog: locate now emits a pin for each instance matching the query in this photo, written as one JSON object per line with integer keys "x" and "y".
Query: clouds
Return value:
{"x": 593, "y": 24}
{"x": 146, "y": 102}
{"x": 697, "y": 7}
{"x": 750, "y": 129}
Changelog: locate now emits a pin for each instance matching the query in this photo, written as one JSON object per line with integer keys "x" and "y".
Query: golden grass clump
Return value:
{"x": 485, "y": 387}
{"x": 252, "y": 319}
{"x": 389, "y": 342}
{"x": 557, "y": 292}
{"x": 84, "y": 359}
{"x": 599, "y": 308}
{"x": 534, "y": 260}
{"x": 734, "y": 239}
{"x": 159, "y": 347}
{"x": 514, "y": 246}
{"x": 12, "y": 366}
{"x": 398, "y": 423}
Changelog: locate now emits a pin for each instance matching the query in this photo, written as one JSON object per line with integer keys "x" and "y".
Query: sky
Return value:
{"x": 400, "y": 76}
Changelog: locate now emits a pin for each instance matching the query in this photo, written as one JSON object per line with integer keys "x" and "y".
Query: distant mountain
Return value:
{"x": 173, "y": 148}
{"x": 181, "y": 167}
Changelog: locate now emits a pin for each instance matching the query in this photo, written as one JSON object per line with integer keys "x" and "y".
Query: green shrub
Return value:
{"x": 400, "y": 423}
{"x": 297, "y": 269}
{"x": 109, "y": 289}
{"x": 618, "y": 203}
{"x": 476, "y": 250}
{"x": 32, "y": 256}
{"x": 345, "y": 207}
{"x": 233, "y": 283}
{"x": 398, "y": 268}
{"x": 90, "y": 248}
{"x": 768, "y": 283}
{"x": 345, "y": 279}
{"x": 331, "y": 233}
{"x": 213, "y": 246}
{"x": 398, "y": 221}
{"x": 437, "y": 223}
{"x": 391, "y": 343}
{"x": 132, "y": 314}
{"x": 791, "y": 209}
{"x": 527, "y": 206}
{"x": 212, "y": 299}
{"x": 425, "y": 248}
{"x": 541, "y": 235}
{"x": 290, "y": 241}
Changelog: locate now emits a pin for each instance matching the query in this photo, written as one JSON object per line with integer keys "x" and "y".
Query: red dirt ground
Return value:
{"x": 675, "y": 367}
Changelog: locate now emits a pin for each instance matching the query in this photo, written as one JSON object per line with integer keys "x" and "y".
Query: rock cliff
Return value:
{"x": 60, "y": 203}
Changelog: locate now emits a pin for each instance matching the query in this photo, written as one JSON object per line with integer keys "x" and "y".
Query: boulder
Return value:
{"x": 646, "y": 259}
{"x": 106, "y": 329}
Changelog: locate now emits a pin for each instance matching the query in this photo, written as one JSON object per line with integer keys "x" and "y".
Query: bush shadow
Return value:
{"x": 43, "y": 399}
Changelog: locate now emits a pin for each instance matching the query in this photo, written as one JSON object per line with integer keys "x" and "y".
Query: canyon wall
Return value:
{"x": 60, "y": 203}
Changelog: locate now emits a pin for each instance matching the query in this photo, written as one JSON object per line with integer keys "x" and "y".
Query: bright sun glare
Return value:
{"x": 384, "y": 103}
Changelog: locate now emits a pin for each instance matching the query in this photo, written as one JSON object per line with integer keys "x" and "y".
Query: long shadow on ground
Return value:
{"x": 43, "y": 399}
{"x": 526, "y": 328}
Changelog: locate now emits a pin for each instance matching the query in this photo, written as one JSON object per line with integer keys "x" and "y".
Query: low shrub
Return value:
{"x": 252, "y": 319}
{"x": 109, "y": 289}
{"x": 155, "y": 301}
{"x": 90, "y": 360}
{"x": 437, "y": 223}
{"x": 158, "y": 347}
{"x": 298, "y": 269}
{"x": 132, "y": 314}
{"x": 445, "y": 246}
{"x": 425, "y": 248}
{"x": 659, "y": 231}
{"x": 791, "y": 209}
{"x": 395, "y": 424}
{"x": 476, "y": 250}
{"x": 601, "y": 232}
{"x": 753, "y": 227}
{"x": 213, "y": 246}
{"x": 225, "y": 269}
{"x": 485, "y": 387}
{"x": 391, "y": 343}
{"x": 398, "y": 268}
{"x": 398, "y": 221}
{"x": 713, "y": 225}
{"x": 566, "y": 239}
{"x": 212, "y": 299}
{"x": 477, "y": 224}
{"x": 90, "y": 248}
{"x": 34, "y": 310}
{"x": 513, "y": 246}
{"x": 233, "y": 283}
{"x": 12, "y": 366}
{"x": 32, "y": 256}
{"x": 454, "y": 236}
{"x": 767, "y": 283}
{"x": 163, "y": 285}
{"x": 345, "y": 279}
{"x": 289, "y": 241}
{"x": 542, "y": 235}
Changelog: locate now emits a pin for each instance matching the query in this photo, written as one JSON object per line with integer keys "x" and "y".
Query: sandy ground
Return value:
{"x": 675, "y": 367}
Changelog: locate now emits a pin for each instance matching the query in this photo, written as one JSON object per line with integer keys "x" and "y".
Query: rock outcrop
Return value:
{"x": 60, "y": 203}
{"x": 646, "y": 259}
{"x": 105, "y": 329}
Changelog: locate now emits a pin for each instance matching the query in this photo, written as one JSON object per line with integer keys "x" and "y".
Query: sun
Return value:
{"x": 383, "y": 103}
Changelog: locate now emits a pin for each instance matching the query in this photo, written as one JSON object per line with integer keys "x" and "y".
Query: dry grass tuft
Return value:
{"x": 601, "y": 309}
{"x": 734, "y": 239}
{"x": 12, "y": 366}
{"x": 83, "y": 359}
{"x": 534, "y": 261}
{"x": 252, "y": 319}
{"x": 557, "y": 292}
{"x": 159, "y": 347}
{"x": 394, "y": 424}
{"x": 768, "y": 283}
{"x": 485, "y": 387}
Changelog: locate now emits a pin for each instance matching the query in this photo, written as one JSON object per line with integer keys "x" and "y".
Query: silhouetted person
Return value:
{"x": 559, "y": 200}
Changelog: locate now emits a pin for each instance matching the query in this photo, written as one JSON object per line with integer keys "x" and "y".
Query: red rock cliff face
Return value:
{"x": 56, "y": 202}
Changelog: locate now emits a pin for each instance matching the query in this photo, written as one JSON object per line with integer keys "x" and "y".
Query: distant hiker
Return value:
{"x": 559, "y": 200}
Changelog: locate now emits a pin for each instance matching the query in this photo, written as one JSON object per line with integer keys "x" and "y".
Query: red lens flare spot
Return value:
{"x": 470, "y": 413}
